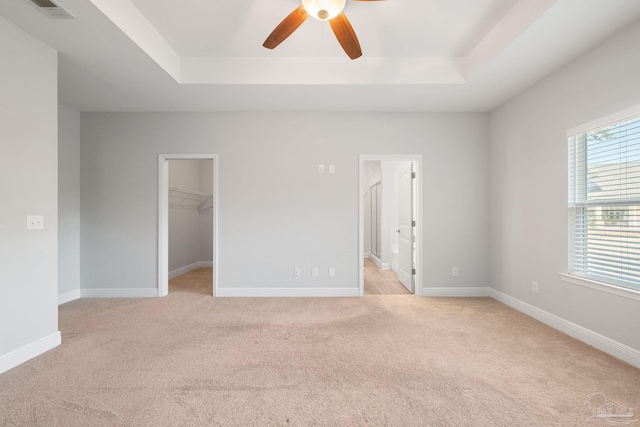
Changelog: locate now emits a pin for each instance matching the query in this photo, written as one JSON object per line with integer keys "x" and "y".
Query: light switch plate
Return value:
{"x": 320, "y": 168}
{"x": 35, "y": 222}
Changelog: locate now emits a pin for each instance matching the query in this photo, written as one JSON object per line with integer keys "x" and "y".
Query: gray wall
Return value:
{"x": 68, "y": 203}
{"x": 28, "y": 184}
{"x": 529, "y": 216}
{"x": 205, "y": 216}
{"x": 276, "y": 212}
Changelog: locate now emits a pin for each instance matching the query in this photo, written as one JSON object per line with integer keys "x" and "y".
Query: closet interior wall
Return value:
{"x": 190, "y": 215}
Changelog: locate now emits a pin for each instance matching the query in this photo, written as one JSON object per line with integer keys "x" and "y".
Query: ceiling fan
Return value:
{"x": 323, "y": 10}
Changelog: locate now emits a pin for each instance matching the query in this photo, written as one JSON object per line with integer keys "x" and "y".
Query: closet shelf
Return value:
{"x": 181, "y": 198}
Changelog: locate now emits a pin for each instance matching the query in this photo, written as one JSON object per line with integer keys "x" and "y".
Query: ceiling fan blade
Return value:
{"x": 346, "y": 36}
{"x": 286, "y": 27}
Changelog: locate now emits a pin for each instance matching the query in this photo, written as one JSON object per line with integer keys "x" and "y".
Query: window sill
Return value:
{"x": 601, "y": 286}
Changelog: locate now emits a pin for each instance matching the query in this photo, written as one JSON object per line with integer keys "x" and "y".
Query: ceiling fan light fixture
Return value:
{"x": 323, "y": 10}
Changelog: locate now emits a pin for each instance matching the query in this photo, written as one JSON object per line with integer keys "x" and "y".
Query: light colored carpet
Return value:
{"x": 193, "y": 360}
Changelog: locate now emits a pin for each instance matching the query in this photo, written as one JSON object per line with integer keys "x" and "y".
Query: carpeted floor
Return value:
{"x": 398, "y": 360}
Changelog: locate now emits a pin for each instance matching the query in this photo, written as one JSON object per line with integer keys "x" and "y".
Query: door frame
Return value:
{"x": 416, "y": 159}
{"x": 163, "y": 217}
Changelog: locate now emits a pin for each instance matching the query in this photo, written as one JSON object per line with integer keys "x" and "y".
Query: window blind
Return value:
{"x": 604, "y": 203}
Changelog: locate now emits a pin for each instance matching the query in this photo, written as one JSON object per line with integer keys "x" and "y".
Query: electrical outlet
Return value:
{"x": 454, "y": 271}
{"x": 314, "y": 271}
{"x": 296, "y": 271}
{"x": 534, "y": 287}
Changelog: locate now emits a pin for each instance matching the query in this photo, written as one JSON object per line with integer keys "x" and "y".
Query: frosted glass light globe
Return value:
{"x": 324, "y": 9}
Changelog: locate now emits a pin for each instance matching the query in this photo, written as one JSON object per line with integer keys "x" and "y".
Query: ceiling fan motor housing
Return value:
{"x": 323, "y": 10}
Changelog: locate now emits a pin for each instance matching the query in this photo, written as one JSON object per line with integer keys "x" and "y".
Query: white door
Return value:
{"x": 405, "y": 222}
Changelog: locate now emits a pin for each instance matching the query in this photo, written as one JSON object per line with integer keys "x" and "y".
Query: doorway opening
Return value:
{"x": 187, "y": 225}
{"x": 389, "y": 230}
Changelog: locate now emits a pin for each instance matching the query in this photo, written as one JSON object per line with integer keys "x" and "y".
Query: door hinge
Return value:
{"x": 413, "y": 223}
{"x": 413, "y": 174}
{"x": 413, "y": 271}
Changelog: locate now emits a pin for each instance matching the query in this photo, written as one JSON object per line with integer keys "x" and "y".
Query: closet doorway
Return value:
{"x": 187, "y": 224}
{"x": 390, "y": 236}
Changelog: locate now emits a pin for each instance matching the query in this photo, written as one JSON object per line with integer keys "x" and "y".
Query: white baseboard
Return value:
{"x": 120, "y": 293}
{"x": 377, "y": 261}
{"x": 127, "y": 293}
{"x": 614, "y": 348}
{"x": 455, "y": 292}
{"x": 29, "y": 351}
{"x": 381, "y": 265}
{"x": 69, "y": 296}
{"x": 288, "y": 292}
{"x": 187, "y": 268}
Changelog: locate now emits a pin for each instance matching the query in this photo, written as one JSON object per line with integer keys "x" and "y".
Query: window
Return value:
{"x": 604, "y": 202}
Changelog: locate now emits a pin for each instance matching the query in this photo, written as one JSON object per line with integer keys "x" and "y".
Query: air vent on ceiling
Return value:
{"x": 52, "y": 9}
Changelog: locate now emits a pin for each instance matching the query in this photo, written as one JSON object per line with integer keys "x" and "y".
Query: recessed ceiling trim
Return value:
{"x": 131, "y": 22}
{"x": 521, "y": 16}
{"x": 100, "y": 70}
{"x": 321, "y": 71}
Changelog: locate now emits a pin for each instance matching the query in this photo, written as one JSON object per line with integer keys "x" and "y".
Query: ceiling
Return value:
{"x": 418, "y": 55}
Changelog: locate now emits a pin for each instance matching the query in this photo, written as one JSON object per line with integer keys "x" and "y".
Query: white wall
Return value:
{"x": 390, "y": 172}
{"x": 68, "y": 204}
{"x": 190, "y": 230}
{"x": 276, "y": 212}
{"x": 28, "y": 184}
{"x": 529, "y": 213}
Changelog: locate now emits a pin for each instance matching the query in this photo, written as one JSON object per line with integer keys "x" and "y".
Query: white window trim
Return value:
{"x": 604, "y": 121}
{"x": 608, "y": 288}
